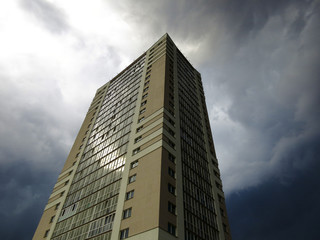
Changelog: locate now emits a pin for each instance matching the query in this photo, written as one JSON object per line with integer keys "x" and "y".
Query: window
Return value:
{"x": 80, "y": 146}
{"x": 146, "y": 89}
{"x": 172, "y": 229}
{"x": 171, "y": 144}
{"x": 171, "y": 189}
{"x": 225, "y": 229}
{"x": 127, "y": 213}
{"x": 142, "y": 111}
{"x": 109, "y": 219}
{"x": 132, "y": 178}
{"x": 63, "y": 212}
{"x": 66, "y": 183}
{"x": 46, "y": 233}
{"x": 140, "y": 120}
{"x": 51, "y": 219}
{"x": 171, "y": 121}
{"x": 171, "y": 208}
{"x": 129, "y": 195}
{"x": 172, "y": 158}
{"x": 135, "y": 151}
{"x": 171, "y": 172}
{"x": 144, "y": 96}
{"x": 139, "y": 128}
{"x": 143, "y": 103}
{"x": 124, "y": 233}
{"x": 222, "y": 212}
{"x": 61, "y": 194}
{"x": 218, "y": 185}
{"x": 78, "y": 154}
{"x": 57, "y": 206}
{"x": 216, "y": 173}
{"x": 171, "y": 132}
{"x": 221, "y": 199}
{"x": 214, "y": 163}
{"x": 134, "y": 164}
{"x": 73, "y": 207}
{"x": 146, "y": 83}
{"x": 138, "y": 139}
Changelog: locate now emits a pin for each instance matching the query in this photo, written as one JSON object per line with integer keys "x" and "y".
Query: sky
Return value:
{"x": 260, "y": 66}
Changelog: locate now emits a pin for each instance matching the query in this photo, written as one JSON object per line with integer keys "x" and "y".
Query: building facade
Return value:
{"x": 143, "y": 165}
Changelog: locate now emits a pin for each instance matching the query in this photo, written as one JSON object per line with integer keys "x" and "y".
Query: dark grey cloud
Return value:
{"x": 33, "y": 147}
{"x": 259, "y": 63}
{"x": 271, "y": 83}
{"x": 38, "y": 124}
{"x": 260, "y": 66}
{"x": 278, "y": 211}
{"x": 48, "y": 14}
{"x": 24, "y": 191}
{"x": 269, "y": 77}
{"x": 30, "y": 127}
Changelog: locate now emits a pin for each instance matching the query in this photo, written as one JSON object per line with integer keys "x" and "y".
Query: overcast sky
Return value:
{"x": 260, "y": 64}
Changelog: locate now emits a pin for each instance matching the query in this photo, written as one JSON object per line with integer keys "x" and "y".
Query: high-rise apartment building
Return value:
{"x": 143, "y": 166}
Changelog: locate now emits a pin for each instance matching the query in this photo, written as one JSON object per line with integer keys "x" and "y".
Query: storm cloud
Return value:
{"x": 259, "y": 62}
{"x": 47, "y": 14}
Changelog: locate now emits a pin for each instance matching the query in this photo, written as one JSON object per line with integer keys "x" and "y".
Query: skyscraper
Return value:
{"x": 143, "y": 165}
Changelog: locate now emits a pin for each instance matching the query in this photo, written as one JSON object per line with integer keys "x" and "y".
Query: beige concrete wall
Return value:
{"x": 61, "y": 185}
{"x": 155, "y": 99}
{"x": 150, "y": 186}
{"x": 165, "y": 215}
{"x": 159, "y": 126}
{"x": 44, "y": 223}
{"x": 63, "y": 176}
{"x": 167, "y": 87}
{"x": 151, "y": 142}
{"x": 149, "y": 122}
{"x": 146, "y": 201}
{"x": 153, "y": 234}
